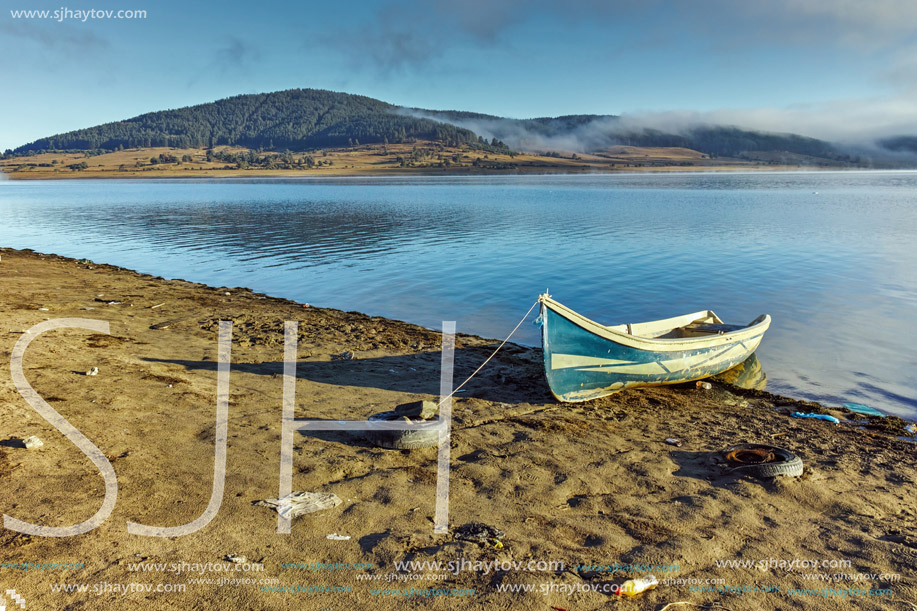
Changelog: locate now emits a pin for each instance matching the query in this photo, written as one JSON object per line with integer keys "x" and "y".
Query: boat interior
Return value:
{"x": 698, "y": 324}
{"x": 699, "y": 329}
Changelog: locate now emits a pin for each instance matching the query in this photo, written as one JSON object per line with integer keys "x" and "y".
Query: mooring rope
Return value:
{"x": 503, "y": 343}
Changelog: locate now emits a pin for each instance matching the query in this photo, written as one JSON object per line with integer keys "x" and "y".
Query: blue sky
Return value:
{"x": 835, "y": 69}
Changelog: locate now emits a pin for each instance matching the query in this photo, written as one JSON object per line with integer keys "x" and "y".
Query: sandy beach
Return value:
{"x": 586, "y": 495}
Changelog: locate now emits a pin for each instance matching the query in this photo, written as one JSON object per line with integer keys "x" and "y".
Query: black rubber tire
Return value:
{"x": 401, "y": 440}
{"x": 785, "y": 463}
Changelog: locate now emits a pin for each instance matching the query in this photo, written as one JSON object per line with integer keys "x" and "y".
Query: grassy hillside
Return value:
{"x": 422, "y": 157}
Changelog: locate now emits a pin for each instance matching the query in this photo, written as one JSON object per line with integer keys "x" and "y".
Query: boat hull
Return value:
{"x": 584, "y": 363}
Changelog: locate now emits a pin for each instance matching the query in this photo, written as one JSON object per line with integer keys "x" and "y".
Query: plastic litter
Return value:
{"x": 673, "y": 442}
{"x": 337, "y": 537}
{"x": 863, "y": 409}
{"x": 704, "y": 385}
{"x": 32, "y": 442}
{"x": 825, "y": 417}
{"x": 632, "y": 587}
{"x": 301, "y": 503}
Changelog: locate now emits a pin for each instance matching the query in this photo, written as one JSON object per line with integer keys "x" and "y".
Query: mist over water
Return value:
{"x": 829, "y": 255}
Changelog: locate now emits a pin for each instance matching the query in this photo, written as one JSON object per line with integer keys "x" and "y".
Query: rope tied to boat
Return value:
{"x": 493, "y": 354}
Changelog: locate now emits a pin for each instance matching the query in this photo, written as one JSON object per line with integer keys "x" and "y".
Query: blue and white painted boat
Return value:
{"x": 585, "y": 360}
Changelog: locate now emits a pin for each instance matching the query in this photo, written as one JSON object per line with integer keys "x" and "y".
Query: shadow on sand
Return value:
{"x": 506, "y": 379}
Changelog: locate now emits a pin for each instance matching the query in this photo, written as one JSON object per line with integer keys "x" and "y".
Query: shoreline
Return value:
{"x": 423, "y": 173}
{"x": 395, "y": 160}
{"x": 476, "y": 339}
{"x": 591, "y": 483}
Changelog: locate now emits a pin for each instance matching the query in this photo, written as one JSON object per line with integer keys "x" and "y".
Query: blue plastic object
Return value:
{"x": 819, "y": 416}
{"x": 863, "y": 409}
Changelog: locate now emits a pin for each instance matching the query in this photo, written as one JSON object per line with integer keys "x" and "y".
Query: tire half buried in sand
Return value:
{"x": 762, "y": 460}
{"x": 378, "y": 434}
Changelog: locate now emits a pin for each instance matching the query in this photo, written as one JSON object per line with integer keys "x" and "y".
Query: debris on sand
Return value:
{"x": 301, "y": 503}
{"x": 418, "y": 409}
{"x": 762, "y": 461}
{"x": 860, "y": 408}
{"x": 824, "y": 417}
{"x": 384, "y": 436}
{"x": 479, "y": 533}
{"x": 32, "y": 442}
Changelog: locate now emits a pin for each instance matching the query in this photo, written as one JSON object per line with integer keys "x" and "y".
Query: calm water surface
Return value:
{"x": 831, "y": 256}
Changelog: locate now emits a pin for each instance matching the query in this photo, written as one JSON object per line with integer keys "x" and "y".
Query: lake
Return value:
{"x": 829, "y": 255}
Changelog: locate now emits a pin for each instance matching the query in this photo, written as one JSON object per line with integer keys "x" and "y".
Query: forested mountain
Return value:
{"x": 303, "y": 119}
{"x": 589, "y": 133}
{"x": 900, "y": 144}
{"x": 732, "y": 141}
{"x": 297, "y": 119}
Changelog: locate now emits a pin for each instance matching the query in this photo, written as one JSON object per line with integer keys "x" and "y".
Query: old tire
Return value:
{"x": 401, "y": 440}
{"x": 784, "y": 462}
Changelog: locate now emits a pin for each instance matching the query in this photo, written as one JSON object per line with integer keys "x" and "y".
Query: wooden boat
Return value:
{"x": 584, "y": 360}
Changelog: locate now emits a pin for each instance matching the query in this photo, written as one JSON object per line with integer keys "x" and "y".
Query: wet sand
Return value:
{"x": 587, "y": 485}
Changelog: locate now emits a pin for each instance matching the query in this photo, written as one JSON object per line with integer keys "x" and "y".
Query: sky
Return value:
{"x": 842, "y": 70}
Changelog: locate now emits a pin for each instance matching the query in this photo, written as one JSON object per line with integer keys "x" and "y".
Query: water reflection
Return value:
{"x": 747, "y": 374}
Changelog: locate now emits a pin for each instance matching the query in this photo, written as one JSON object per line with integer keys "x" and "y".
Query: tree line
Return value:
{"x": 297, "y": 119}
